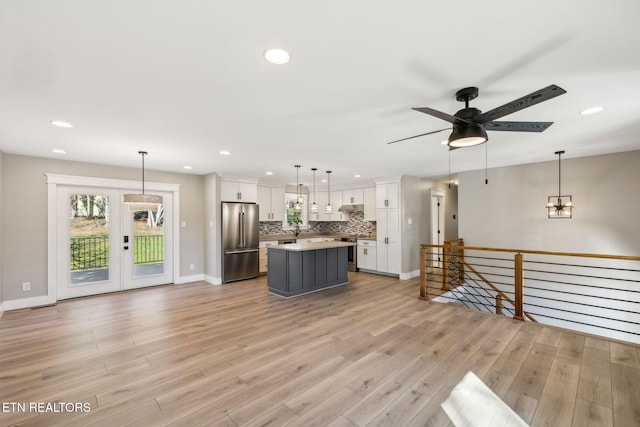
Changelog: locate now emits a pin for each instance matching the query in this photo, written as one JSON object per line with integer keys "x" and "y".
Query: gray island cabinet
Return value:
{"x": 300, "y": 268}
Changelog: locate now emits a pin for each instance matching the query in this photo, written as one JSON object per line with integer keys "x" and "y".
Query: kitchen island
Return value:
{"x": 300, "y": 268}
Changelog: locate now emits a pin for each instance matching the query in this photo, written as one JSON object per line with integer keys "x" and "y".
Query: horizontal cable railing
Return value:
{"x": 599, "y": 294}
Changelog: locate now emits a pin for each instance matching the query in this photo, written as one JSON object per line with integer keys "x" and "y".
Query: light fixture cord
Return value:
{"x": 314, "y": 186}
{"x": 449, "y": 168}
{"x": 559, "y": 175}
{"x": 486, "y": 161}
{"x": 142, "y": 153}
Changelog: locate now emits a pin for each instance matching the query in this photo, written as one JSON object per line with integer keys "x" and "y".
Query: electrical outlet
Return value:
{"x": 26, "y": 286}
{"x": 192, "y": 266}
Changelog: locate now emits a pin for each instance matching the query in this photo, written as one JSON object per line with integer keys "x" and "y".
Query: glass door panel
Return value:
{"x": 148, "y": 242}
{"x": 88, "y": 249}
{"x": 148, "y": 259}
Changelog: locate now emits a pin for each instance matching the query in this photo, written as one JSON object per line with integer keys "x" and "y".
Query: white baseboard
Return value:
{"x": 1, "y": 310}
{"x": 17, "y": 304}
{"x": 213, "y": 280}
{"x": 189, "y": 279}
{"x": 410, "y": 275}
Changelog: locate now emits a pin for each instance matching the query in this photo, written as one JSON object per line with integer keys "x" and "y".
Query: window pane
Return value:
{"x": 89, "y": 238}
{"x": 148, "y": 242}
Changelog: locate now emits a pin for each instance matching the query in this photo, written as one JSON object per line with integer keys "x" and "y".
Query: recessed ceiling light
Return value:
{"x": 58, "y": 151}
{"x": 268, "y": 173}
{"x": 187, "y": 167}
{"x": 356, "y": 176}
{"x": 225, "y": 152}
{"x": 61, "y": 124}
{"x": 323, "y": 180}
{"x": 277, "y": 56}
{"x": 591, "y": 110}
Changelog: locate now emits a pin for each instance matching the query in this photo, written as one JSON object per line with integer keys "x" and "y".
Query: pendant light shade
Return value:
{"x": 142, "y": 202}
{"x": 559, "y": 207}
{"x": 314, "y": 206}
{"x": 297, "y": 207}
{"x": 328, "y": 209}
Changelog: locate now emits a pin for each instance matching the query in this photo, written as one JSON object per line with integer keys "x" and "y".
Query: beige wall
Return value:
{"x": 212, "y": 257}
{"x": 510, "y": 211}
{"x": 1, "y": 227}
{"x": 415, "y": 205}
{"x": 24, "y": 217}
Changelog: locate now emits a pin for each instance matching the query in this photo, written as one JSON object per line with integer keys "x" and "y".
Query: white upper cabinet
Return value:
{"x": 271, "y": 201}
{"x": 388, "y": 195}
{"x": 336, "y": 202}
{"x": 370, "y": 204}
{"x": 236, "y": 191}
{"x": 353, "y": 197}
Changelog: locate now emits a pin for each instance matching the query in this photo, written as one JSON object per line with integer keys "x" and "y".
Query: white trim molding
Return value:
{"x": 189, "y": 279}
{"x": 17, "y": 304}
{"x": 213, "y": 280}
{"x": 410, "y": 275}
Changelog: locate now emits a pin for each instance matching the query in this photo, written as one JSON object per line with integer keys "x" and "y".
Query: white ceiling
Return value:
{"x": 186, "y": 79}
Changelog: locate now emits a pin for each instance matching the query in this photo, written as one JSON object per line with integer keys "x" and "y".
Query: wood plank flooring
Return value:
{"x": 366, "y": 354}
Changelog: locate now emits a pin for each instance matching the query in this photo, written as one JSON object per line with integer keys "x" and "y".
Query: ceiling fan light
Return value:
{"x": 467, "y": 136}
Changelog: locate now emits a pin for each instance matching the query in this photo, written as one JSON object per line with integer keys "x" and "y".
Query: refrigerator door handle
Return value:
{"x": 243, "y": 242}
{"x": 240, "y": 251}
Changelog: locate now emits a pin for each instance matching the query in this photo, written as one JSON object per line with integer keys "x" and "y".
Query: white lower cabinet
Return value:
{"x": 367, "y": 258}
{"x": 262, "y": 268}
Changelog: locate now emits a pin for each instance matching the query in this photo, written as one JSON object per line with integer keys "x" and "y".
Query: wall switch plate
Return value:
{"x": 183, "y": 224}
{"x": 26, "y": 286}
{"x": 192, "y": 266}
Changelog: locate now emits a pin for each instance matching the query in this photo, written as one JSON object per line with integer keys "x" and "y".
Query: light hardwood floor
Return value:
{"x": 369, "y": 353}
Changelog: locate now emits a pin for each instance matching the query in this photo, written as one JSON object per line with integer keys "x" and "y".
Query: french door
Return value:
{"x": 102, "y": 246}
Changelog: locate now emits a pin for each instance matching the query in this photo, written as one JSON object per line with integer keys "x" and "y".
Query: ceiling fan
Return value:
{"x": 470, "y": 124}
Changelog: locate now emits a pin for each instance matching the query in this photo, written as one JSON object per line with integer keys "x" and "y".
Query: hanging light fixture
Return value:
{"x": 559, "y": 206}
{"x": 142, "y": 202}
{"x": 328, "y": 209}
{"x": 314, "y": 206}
{"x": 297, "y": 207}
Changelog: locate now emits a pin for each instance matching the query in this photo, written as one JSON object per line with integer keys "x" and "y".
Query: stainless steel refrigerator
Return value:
{"x": 240, "y": 241}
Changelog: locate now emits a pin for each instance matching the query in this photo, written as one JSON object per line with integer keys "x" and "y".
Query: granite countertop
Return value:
{"x": 269, "y": 237}
{"x": 311, "y": 246}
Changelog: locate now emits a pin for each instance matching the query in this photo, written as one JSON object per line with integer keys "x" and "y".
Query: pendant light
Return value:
{"x": 328, "y": 209}
{"x": 142, "y": 202}
{"x": 559, "y": 206}
{"x": 314, "y": 206}
{"x": 297, "y": 207}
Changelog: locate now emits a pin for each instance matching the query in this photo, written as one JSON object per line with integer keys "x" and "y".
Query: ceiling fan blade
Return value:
{"x": 439, "y": 114}
{"x": 534, "y": 98}
{"x": 517, "y": 126}
{"x": 416, "y": 136}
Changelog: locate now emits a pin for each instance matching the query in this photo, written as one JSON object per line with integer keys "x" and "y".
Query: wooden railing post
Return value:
{"x": 518, "y": 286}
{"x": 498, "y": 304}
{"x": 423, "y": 274}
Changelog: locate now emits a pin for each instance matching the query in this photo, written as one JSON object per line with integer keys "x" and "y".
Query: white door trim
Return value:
{"x": 53, "y": 180}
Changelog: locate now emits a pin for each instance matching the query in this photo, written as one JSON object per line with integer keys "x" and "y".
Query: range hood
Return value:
{"x": 351, "y": 208}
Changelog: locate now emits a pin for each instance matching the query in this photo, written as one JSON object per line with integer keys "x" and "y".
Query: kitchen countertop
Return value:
{"x": 273, "y": 237}
{"x": 311, "y": 246}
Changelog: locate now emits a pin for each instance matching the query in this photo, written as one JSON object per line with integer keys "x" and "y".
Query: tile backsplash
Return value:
{"x": 355, "y": 225}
